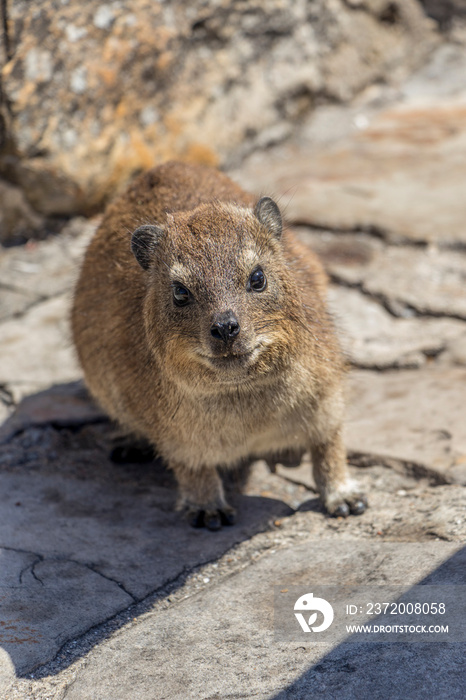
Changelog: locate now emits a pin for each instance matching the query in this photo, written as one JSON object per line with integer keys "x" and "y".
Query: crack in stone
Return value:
{"x": 31, "y": 567}
{"x": 367, "y": 459}
{"x": 373, "y": 231}
{"x": 388, "y": 237}
{"x": 392, "y": 305}
{"x": 40, "y": 299}
{"x": 95, "y": 570}
{"x": 42, "y": 558}
{"x": 422, "y": 313}
{"x": 70, "y": 654}
{"x": 73, "y": 425}
{"x": 6, "y": 397}
{"x": 380, "y": 298}
{"x": 389, "y": 367}
{"x": 34, "y": 575}
{"x": 296, "y": 482}
{"x": 20, "y": 551}
{"x": 9, "y": 287}
{"x": 400, "y": 364}
{"x": 413, "y": 469}
{"x": 439, "y": 535}
{"x": 105, "y": 627}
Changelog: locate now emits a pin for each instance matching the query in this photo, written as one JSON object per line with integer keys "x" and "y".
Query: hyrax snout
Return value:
{"x": 201, "y": 326}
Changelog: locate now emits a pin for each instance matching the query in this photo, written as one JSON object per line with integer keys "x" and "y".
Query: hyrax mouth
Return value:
{"x": 229, "y": 358}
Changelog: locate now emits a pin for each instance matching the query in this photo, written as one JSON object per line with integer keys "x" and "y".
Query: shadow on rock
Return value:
{"x": 83, "y": 538}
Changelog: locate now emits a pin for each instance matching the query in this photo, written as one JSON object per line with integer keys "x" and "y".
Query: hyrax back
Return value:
{"x": 201, "y": 326}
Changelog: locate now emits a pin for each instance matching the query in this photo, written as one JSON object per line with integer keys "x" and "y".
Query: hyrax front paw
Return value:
{"x": 341, "y": 504}
{"x": 338, "y": 493}
{"x": 202, "y": 498}
{"x": 211, "y": 519}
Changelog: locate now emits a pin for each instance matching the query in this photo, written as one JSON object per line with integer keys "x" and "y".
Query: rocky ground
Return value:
{"x": 106, "y": 593}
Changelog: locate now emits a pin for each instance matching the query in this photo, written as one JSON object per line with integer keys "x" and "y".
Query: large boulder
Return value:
{"x": 94, "y": 92}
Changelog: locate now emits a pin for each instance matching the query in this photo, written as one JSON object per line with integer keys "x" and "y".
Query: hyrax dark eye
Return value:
{"x": 257, "y": 281}
{"x": 181, "y": 295}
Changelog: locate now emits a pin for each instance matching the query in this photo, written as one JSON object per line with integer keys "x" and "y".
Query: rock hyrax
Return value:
{"x": 201, "y": 325}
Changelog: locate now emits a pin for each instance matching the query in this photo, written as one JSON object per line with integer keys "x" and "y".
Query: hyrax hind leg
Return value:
{"x": 202, "y": 498}
{"x": 339, "y": 494}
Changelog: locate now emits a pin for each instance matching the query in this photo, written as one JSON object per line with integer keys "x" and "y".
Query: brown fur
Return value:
{"x": 158, "y": 371}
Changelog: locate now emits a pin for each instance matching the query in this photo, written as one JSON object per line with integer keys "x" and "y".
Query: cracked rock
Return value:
{"x": 62, "y": 405}
{"x": 46, "y": 269}
{"x": 373, "y": 338}
{"x": 231, "y": 627}
{"x": 36, "y": 348}
{"x": 50, "y": 602}
{"x": 407, "y": 280}
{"x": 15, "y": 301}
{"x": 415, "y": 416}
{"x": 99, "y": 541}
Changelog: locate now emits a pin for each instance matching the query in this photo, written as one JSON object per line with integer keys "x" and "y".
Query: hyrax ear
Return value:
{"x": 269, "y": 215}
{"x": 144, "y": 241}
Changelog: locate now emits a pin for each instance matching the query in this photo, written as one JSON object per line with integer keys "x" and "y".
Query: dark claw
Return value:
{"x": 213, "y": 521}
{"x": 228, "y": 517}
{"x": 358, "y": 506}
{"x": 341, "y": 511}
{"x": 195, "y": 518}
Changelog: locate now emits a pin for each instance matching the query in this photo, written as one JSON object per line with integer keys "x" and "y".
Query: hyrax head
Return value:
{"x": 217, "y": 307}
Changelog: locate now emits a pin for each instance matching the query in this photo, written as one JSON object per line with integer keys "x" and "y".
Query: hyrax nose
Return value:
{"x": 225, "y": 327}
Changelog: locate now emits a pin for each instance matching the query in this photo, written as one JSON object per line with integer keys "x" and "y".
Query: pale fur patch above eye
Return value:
{"x": 179, "y": 274}
{"x": 250, "y": 258}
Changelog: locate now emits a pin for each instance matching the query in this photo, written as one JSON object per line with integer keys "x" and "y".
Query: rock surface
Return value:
{"x": 47, "y": 269}
{"x": 98, "y": 91}
{"x": 423, "y": 409}
{"x": 65, "y": 405}
{"x": 390, "y": 165}
{"x": 61, "y": 534}
{"x": 238, "y": 612}
{"x": 402, "y": 176}
{"x": 104, "y": 590}
{"x": 374, "y": 338}
{"x": 37, "y": 347}
{"x": 407, "y": 280}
